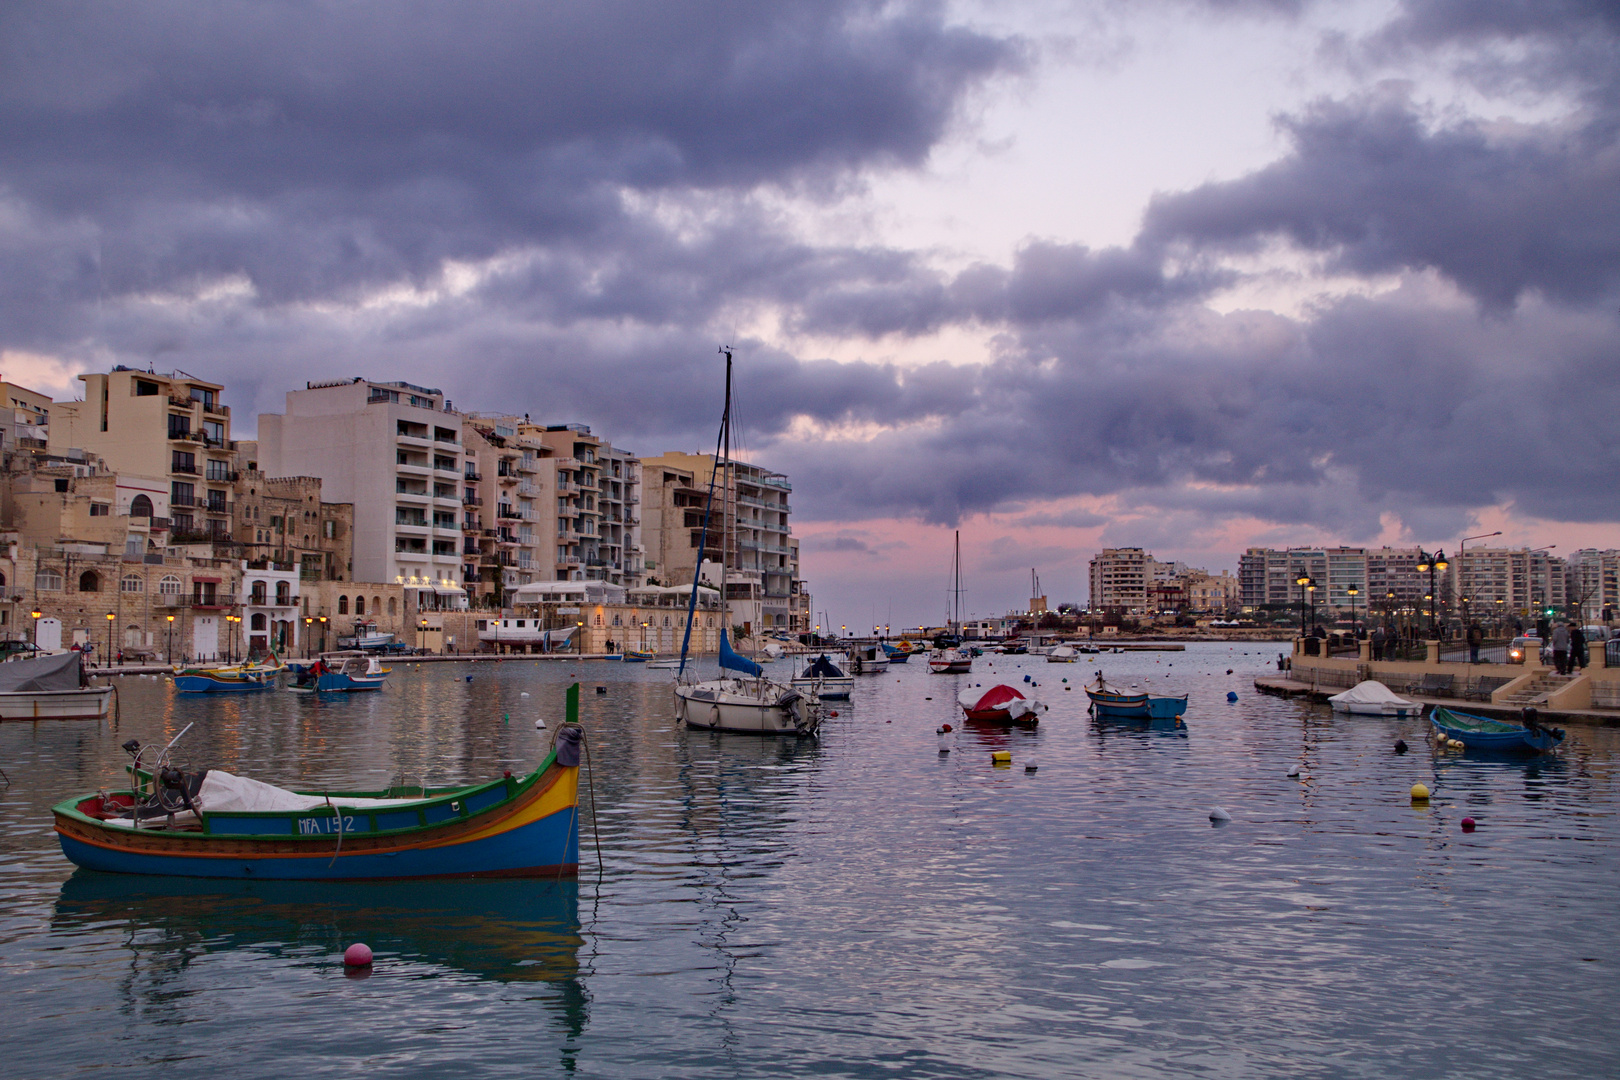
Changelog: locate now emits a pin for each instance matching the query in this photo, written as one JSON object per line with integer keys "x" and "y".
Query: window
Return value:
{"x": 616, "y": 621}
{"x": 169, "y": 586}
{"x": 179, "y": 426}
{"x": 259, "y": 621}
{"x": 47, "y": 581}
{"x": 181, "y": 494}
{"x": 283, "y": 594}
{"x": 140, "y": 506}
{"x": 257, "y": 593}
{"x": 359, "y": 605}
{"x": 214, "y": 432}
{"x": 100, "y": 509}
{"x": 275, "y": 521}
{"x": 132, "y": 583}
{"x": 343, "y": 605}
{"x": 145, "y": 389}
{"x": 218, "y": 471}
{"x": 89, "y": 581}
{"x": 393, "y": 606}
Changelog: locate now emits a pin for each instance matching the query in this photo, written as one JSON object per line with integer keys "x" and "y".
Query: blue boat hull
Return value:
{"x": 1518, "y": 740}
{"x": 1137, "y": 706}
{"x": 551, "y": 843}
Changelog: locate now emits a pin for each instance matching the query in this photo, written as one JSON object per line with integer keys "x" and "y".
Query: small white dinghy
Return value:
{"x": 1373, "y": 698}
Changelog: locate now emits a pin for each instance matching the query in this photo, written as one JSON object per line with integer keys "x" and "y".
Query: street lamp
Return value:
{"x": 323, "y": 633}
{"x": 168, "y": 649}
{"x": 421, "y": 636}
{"x": 1304, "y": 582}
{"x": 579, "y": 634}
{"x": 309, "y": 624}
{"x": 111, "y": 617}
{"x": 36, "y": 614}
{"x": 1429, "y": 563}
{"x": 1353, "y": 591}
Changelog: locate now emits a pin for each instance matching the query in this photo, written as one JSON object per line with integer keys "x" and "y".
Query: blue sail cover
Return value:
{"x": 730, "y": 658}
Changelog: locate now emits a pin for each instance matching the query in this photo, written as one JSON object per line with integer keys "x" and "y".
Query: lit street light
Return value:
{"x": 1430, "y": 563}
{"x": 111, "y": 617}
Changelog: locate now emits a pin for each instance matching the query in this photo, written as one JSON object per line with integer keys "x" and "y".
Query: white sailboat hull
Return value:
{"x": 746, "y": 706}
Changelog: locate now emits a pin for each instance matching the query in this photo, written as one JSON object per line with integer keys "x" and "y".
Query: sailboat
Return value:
{"x": 951, "y": 660}
{"x": 741, "y": 699}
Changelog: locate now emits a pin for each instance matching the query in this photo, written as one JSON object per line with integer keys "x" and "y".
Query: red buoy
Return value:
{"x": 357, "y": 955}
{"x": 1468, "y": 824}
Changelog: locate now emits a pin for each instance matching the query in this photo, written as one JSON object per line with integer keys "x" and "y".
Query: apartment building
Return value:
{"x": 1594, "y": 583}
{"x": 1508, "y": 582}
{"x": 25, "y": 422}
{"x": 395, "y": 452}
{"x": 598, "y": 506}
{"x": 284, "y": 520}
{"x": 761, "y": 558}
{"x": 1120, "y": 578}
{"x": 172, "y": 427}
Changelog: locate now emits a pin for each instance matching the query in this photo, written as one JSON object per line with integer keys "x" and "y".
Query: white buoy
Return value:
{"x": 1216, "y": 813}
{"x": 540, "y": 725}
{"x": 1295, "y": 771}
{"x": 524, "y": 694}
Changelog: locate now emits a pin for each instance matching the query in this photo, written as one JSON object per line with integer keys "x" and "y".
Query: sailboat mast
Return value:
{"x": 725, "y": 502}
{"x": 956, "y": 626}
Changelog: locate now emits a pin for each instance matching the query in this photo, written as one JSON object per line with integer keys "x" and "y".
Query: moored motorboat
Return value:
{"x": 207, "y": 823}
{"x": 949, "y": 662}
{"x": 1485, "y": 733}
{"x": 1062, "y": 654}
{"x": 238, "y": 679}
{"x": 825, "y": 679}
{"x": 339, "y": 672}
{"x": 52, "y": 687}
{"x": 868, "y": 660}
{"x": 1372, "y": 698}
{"x": 1001, "y": 704}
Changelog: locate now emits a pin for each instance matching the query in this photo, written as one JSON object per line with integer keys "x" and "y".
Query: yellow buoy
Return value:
{"x": 1001, "y": 757}
{"x": 1420, "y": 793}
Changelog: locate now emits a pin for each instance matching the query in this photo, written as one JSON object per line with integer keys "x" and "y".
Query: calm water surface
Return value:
{"x": 857, "y": 906}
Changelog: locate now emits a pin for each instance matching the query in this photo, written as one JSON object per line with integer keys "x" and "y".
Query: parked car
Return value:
{"x": 1523, "y": 646}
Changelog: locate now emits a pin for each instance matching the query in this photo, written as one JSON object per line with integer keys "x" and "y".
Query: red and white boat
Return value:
{"x": 949, "y": 662}
{"x": 1000, "y": 704}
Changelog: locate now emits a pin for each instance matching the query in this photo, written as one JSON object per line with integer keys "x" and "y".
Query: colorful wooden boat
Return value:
{"x": 181, "y": 824}
{"x": 242, "y": 679}
{"x": 52, "y": 687}
{"x": 1485, "y": 733}
{"x": 1114, "y": 704}
{"x": 1001, "y": 704}
{"x": 897, "y": 655}
{"x": 638, "y": 656}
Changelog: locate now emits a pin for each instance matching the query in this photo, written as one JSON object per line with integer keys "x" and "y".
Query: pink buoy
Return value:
{"x": 357, "y": 955}
{"x": 1468, "y": 824}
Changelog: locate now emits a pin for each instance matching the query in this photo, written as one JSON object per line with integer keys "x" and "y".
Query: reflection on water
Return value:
{"x": 857, "y": 905}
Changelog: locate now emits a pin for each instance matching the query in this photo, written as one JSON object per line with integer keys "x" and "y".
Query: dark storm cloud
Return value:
{"x": 316, "y": 147}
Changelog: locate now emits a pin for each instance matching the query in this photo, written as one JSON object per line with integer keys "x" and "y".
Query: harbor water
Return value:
{"x": 859, "y": 905}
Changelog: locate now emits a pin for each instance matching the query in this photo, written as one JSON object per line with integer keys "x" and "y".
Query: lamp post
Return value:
{"x": 1462, "y": 564}
{"x": 579, "y": 635}
{"x": 111, "y": 617}
{"x": 1304, "y": 582}
{"x": 421, "y": 636}
{"x": 1353, "y": 591}
{"x": 36, "y": 613}
{"x": 309, "y": 632}
{"x": 323, "y": 633}
{"x": 168, "y": 649}
{"x": 1430, "y": 562}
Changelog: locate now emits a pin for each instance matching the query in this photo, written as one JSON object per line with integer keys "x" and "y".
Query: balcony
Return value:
{"x": 412, "y": 469}
{"x": 218, "y": 506}
{"x": 568, "y": 560}
{"x": 472, "y": 477}
{"x": 471, "y": 500}
{"x": 216, "y": 409}
{"x": 411, "y": 556}
{"x": 415, "y": 442}
{"x": 212, "y": 601}
{"x": 189, "y": 470}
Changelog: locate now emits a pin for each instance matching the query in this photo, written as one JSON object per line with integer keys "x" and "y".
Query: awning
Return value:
{"x": 207, "y": 580}
{"x": 450, "y": 590}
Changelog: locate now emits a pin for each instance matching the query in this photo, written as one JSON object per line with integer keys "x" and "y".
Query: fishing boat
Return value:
{"x": 213, "y": 824}
{"x": 1062, "y": 654}
{"x": 638, "y": 656}
{"x": 741, "y": 699}
{"x": 1114, "y": 704}
{"x": 237, "y": 679}
{"x": 952, "y": 659}
{"x": 897, "y": 654}
{"x": 825, "y": 679}
{"x": 868, "y": 660}
{"x": 1001, "y": 704}
{"x": 52, "y": 687}
{"x": 1372, "y": 698}
{"x": 338, "y": 673}
{"x": 1484, "y": 733}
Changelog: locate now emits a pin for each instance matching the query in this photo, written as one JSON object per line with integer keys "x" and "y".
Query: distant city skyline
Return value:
{"x": 1195, "y": 275}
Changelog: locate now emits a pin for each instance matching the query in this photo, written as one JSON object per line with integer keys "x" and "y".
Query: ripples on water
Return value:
{"x": 861, "y": 905}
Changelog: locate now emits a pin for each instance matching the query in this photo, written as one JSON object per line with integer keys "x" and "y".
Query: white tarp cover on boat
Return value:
{"x": 1371, "y": 692}
{"x": 43, "y": 674}
{"x": 223, "y": 792}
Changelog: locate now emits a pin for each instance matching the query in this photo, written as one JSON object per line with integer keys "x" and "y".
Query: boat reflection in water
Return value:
{"x": 506, "y": 931}
{"x": 1173, "y": 726}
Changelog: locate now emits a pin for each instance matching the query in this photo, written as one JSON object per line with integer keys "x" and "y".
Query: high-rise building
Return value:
{"x": 1120, "y": 578}
{"x": 1594, "y": 583}
{"x": 395, "y": 452}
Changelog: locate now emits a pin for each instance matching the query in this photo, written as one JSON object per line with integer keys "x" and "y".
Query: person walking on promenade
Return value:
{"x": 1476, "y": 637}
{"x": 1560, "y": 644}
{"x": 1378, "y": 642}
{"x": 1577, "y": 647}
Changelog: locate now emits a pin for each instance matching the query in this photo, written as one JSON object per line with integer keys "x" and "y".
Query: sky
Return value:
{"x": 1191, "y": 275}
